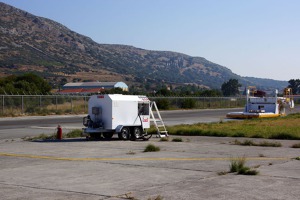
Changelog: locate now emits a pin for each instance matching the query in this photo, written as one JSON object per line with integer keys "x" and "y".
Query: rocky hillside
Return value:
{"x": 32, "y": 43}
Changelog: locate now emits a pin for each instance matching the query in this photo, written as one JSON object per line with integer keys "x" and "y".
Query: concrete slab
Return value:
{"x": 80, "y": 169}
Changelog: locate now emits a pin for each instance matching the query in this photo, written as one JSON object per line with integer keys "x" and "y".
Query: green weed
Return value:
{"x": 40, "y": 137}
{"x": 252, "y": 143}
{"x": 73, "y": 134}
{"x": 222, "y": 173}
{"x": 156, "y": 198}
{"x": 296, "y": 145}
{"x": 164, "y": 139}
{"x": 177, "y": 140}
{"x": 151, "y": 148}
{"x": 130, "y": 153}
{"x": 237, "y": 165}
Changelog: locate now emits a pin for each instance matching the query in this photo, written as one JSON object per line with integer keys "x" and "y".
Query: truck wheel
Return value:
{"x": 124, "y": 134}
{"x": 137, "y": 133}
{"x": 108, "y": 135}
{"x": 92, "y": 136}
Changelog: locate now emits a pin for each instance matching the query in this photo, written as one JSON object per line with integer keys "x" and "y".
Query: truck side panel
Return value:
{"x": 125, "y": 113}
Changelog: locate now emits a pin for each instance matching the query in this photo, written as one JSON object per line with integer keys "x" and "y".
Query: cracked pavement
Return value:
{"x": 109, "y": 170}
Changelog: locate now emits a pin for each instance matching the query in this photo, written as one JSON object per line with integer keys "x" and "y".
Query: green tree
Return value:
{"x": 25, "y": 84}
{"x": 295, "y": 85}
{"x": 231, "y": 88}
{"x": 211, "y": 93}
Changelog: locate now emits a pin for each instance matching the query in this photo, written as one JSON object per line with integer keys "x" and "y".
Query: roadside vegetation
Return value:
{"x": 261, "y": 144}
{"x": 177, "y": 140}
{"x": 151, "y": 148}
{"x": 28, "y": 83}
{"x": 296, "y": 145}
{"x": 237, "y": 165}
{"x": 164, "y": 139}
{"x": 286, "y": 127}
{"x": 71, "y": 134}
{"x": 156, "y": 198}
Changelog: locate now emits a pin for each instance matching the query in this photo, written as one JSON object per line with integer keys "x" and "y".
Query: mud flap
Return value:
{"x": 119, "y": 128}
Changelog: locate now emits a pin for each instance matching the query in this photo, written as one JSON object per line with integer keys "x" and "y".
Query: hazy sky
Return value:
{"x": 259, "y": 38}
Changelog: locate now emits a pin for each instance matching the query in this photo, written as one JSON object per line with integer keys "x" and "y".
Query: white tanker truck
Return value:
{"x": 128, "y": 116}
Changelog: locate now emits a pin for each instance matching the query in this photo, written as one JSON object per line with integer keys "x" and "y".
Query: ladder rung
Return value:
{"x": 155, "y": 120}
{"x": 163, "y": 131}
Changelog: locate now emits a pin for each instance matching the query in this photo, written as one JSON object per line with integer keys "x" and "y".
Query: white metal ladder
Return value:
{"x": 157, "y": 120}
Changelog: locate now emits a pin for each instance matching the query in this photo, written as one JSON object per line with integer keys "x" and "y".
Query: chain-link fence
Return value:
{"x": 16, "y": 105}
{"x": 198, "y": 102}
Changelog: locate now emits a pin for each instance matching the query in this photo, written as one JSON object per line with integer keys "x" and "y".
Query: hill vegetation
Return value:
{"x": 24, "y": 84}
{"x": 34, "y": 44}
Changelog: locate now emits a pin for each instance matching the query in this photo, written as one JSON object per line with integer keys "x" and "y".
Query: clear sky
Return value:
{"x": 259, "y": 38}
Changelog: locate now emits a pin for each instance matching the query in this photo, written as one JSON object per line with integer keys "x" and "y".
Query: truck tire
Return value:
{"x": 95, "y": 136}
{"x": 137, "y": 133}
{"x": 108, "y": 135}
{"x": 124, "y": 134}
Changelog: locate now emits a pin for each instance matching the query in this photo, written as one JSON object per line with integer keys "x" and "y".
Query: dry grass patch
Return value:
{"x": 261, "y": 144}
{"x": 296, "y": 145}
{"x": 237, "y": 165}
{"x": 151, "y": 148}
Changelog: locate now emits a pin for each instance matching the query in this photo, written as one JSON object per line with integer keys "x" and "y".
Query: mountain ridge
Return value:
{"x": 38, "y": 44}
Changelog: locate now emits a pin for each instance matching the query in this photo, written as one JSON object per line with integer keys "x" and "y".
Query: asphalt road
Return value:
{"x": 19, "y": 127}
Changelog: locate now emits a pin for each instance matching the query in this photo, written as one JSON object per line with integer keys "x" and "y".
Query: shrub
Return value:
{"x": 40, "y": 137}
{"x": 156, "y": 198}
{"x": 238, "y": 165}
{"x": 284, "y": 136}
{"x": 163, "y": 104}
{"x": 296, "y": 145}
{"x": 262, "y": 144}
{"x": 188, "y": 103}
{"x": 269, "y": 144}
{"x": 239, "y": 135}
{"x": 177, "y": 140}
{"x": 251, "y": 172}
{"x": 248, "y": 143}
{"x": 151, "y": 148}
{"x": 164, "y": 139}
{"x": 73, "y": 134}
{"x": 222, "y": 173}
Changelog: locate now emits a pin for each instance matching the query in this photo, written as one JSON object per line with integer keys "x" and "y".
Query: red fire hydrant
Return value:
{"x": 59, "y": 132}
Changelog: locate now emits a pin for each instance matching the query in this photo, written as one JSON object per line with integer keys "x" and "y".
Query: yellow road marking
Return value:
{"x": 133, "y": 159}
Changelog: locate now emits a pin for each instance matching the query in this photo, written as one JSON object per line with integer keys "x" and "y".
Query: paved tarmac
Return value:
{"x": 18, "y": 127}
{"x": 115, "y": 169}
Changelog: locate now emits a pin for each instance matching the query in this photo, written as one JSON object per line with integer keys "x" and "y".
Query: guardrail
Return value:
{"x": 16, "y": 105}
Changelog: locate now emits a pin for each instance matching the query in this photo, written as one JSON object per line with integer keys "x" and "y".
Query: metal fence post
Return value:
{"x": 22, "y": 102}
{"x": 84, "y": 102}
{"x": 3, "y": 105}
{"x": 56, "y": 102}
{"x": 71, "y": 104}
